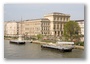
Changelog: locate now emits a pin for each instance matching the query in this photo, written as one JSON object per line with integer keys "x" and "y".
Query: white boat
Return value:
{"x": 19, "y": 41}
{"x": 64, "y": 46}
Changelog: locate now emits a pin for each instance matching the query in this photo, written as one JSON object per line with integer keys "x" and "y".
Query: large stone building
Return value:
{"x": 51, "y": 24}
{"x": 36, "y": 26}
{"x": 57, "y": 21}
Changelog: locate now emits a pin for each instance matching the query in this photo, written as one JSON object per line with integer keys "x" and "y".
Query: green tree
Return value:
{"x": 39, "y": 36}
{"x": 71, "y": 31}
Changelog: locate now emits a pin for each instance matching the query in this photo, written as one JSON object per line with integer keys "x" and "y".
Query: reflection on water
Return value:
{"x": 30, "y": 50}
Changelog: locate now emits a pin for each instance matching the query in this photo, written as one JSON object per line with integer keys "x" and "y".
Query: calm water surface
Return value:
{"x": 31, "y": 50}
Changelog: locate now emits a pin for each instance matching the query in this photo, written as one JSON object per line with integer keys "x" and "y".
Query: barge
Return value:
{"x": 19, "y": 41}
{"x": 63, "y": 46}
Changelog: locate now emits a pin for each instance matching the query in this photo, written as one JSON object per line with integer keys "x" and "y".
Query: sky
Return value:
{"x": 34, "y": 11}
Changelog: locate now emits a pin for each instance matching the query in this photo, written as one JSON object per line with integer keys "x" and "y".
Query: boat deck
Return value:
{"x": 57, "y": 47}
{"x": 17, "y": 42}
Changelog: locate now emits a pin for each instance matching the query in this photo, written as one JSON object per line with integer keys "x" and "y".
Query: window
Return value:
{"x": 54, "y": 18}
{"x": 43, "y": 28}
{"x": 64, "y": 19}
{"x": 55, "y": 32}
{"x": 57, "y": 26}
{"x": 57, "y": 18}
{"x": 54, "y": 26}
{"x": 61, "y": 18}
{"x": 42, "y": 32}
{"x": 61, "y": 32}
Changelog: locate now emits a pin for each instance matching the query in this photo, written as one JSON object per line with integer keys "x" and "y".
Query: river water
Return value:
{"x": 31, "y": 50}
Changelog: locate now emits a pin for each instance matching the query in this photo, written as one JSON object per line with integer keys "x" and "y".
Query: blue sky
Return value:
{"x": 33, "y": 11}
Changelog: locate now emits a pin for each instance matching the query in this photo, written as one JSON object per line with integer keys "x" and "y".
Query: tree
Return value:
{"x": 71, "y": 30}
{"x": 39, "y": 36}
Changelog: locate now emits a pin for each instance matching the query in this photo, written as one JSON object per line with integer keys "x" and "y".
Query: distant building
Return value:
{"x": 5, "y": 23}
{"x": 81, "y": 24}
{"x": 10, "y": 28}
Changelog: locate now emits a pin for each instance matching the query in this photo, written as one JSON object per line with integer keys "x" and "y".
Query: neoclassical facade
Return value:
{"x": 51, "y": 24}
{"x": 36, "y": 26}
{"x": 57, "y": 21}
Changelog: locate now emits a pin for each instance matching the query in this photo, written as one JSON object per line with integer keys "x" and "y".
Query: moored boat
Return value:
{"x": 64, "y": 46}
{"x": 17, "y": 42}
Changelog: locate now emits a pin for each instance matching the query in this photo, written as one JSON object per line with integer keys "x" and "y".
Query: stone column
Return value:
{"x": 56, "y": 33}
{"x": 60, "y": 33}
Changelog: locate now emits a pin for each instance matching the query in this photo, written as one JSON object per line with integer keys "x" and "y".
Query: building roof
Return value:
{"x": 78, "y": 20}
{"x": 57, "y": 13}
{"x": 42, "y": 19}
{"x": 10, "y": 22}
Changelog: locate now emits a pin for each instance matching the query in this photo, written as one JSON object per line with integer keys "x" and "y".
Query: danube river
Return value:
{"x": 31, "y": 50}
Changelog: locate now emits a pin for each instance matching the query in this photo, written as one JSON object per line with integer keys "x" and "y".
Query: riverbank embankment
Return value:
{"x": 79, "y": 47}
{"x": 39, "y": 42}
{"x": 75, "y": 47}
